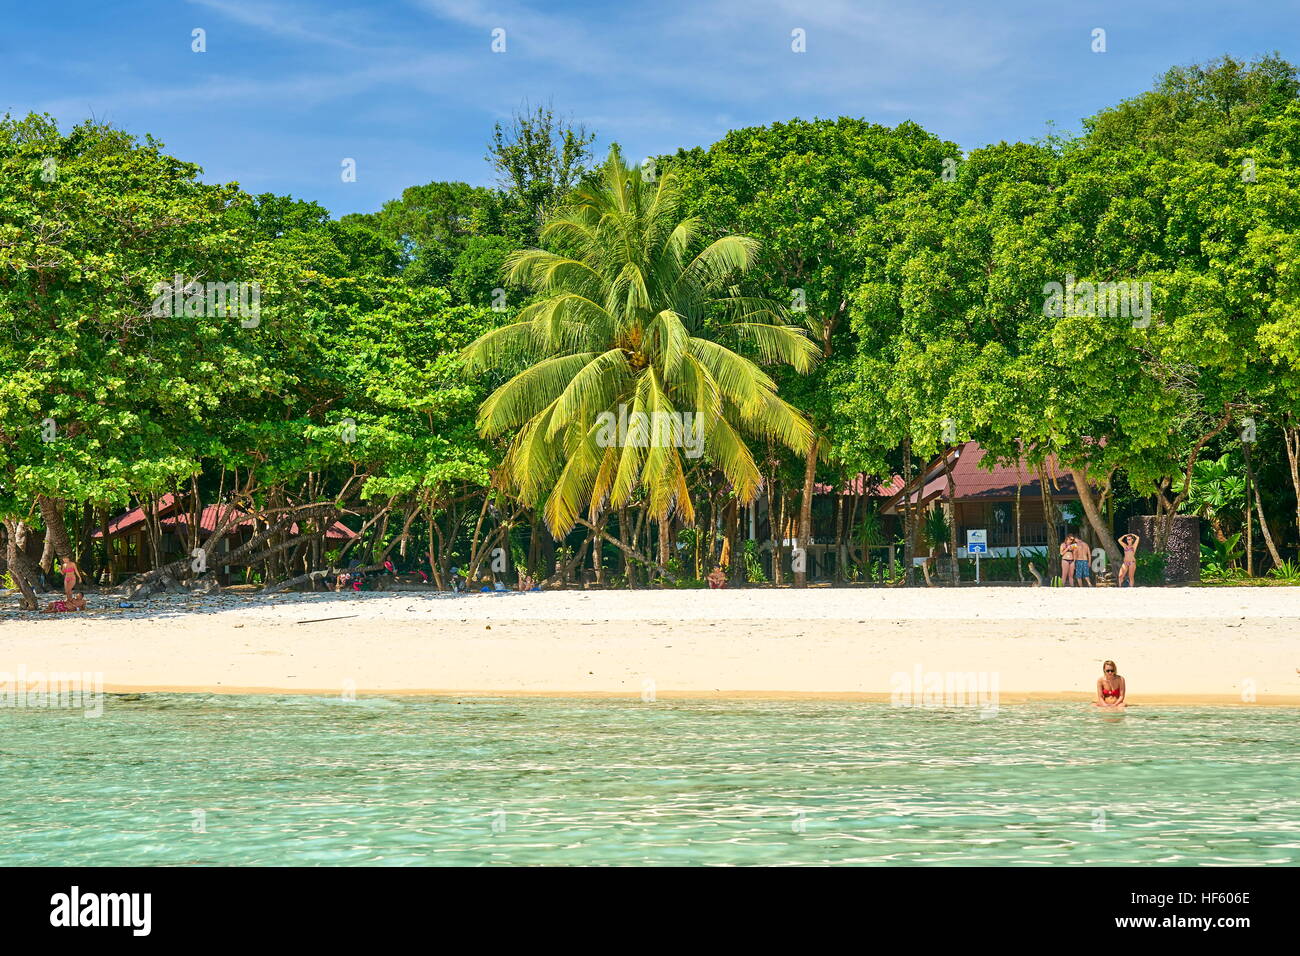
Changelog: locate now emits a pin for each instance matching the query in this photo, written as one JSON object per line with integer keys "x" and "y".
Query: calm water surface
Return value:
{"x": 212, "y": 780}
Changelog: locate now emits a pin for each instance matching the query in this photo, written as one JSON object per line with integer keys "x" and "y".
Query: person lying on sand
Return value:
{"x": 77, "y": 602}
{"x": 1110, "y": 688}
{"x": 1129, "y": 543}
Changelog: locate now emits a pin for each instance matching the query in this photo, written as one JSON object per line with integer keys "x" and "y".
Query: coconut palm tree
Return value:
{"x": 636, "y": 316}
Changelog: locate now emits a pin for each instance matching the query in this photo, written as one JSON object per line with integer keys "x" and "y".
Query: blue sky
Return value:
{"x": 410, "y": 89}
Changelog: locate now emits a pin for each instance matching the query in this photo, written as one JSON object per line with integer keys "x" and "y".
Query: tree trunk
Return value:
{"x": 805, "y": 516}
{"x": 952, "y": 522}
{"x": 840, "y": 551}
{"x": 624, "y": 523}
{"x": 20, "y": 566}
{"x": 598, "y": 554}
{"x": 776, "y": 527}
{"x": 1053, "y": 556}
{"x": 1095, "y": 518}
{"x": 735, "y": 562}
{"x": 631, "y": 552}
{"x": 46, "y": 564}
{"x": 1291, "y": 439}
{"x": 1163, "y": 527}
{"x": 1020, "y": 569}
{"x": 1259, "y": 509}
{"x": 909, "y": 517}
{"x": 665, "y": 540}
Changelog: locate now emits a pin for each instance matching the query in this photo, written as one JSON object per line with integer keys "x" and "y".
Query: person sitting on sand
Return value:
{"x": 526, "y": 582}
{"x": 1110, "y": 688}
{"x": 717, "y": 578}
{"x": 349, "y": 577}
{"x": 74, "y": 602}
{"x": 1067, "y": 561}
{"x": 72, "y": 576}
{"x": 1128, "y": 567}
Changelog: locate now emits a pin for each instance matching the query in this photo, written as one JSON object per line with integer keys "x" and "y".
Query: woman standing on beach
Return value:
{"x": 1129, "y": 543}
{"x": 1110, "y": 688}
{"x": 1067, "y": 561}
{"x": 72, "y": 576}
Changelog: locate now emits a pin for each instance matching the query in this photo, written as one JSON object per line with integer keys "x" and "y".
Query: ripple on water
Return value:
{"x": 290, "y": 780}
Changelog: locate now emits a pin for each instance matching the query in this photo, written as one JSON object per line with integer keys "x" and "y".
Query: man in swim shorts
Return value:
{"x": 1082, "y": 564}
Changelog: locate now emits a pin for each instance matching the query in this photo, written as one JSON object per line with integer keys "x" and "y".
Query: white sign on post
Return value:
{"x": 977, "y": 543}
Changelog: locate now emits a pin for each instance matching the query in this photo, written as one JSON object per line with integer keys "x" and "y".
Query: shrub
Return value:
{"x": 1220, "y": 559}
{"x": 753, "y": 565}
{"x": 1150, "y": 569}
{"x": 1288, "y": 571}
{"x": 992, "y": 569}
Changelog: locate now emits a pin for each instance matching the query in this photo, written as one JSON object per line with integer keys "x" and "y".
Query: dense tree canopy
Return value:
{"x": 828, "y": 296}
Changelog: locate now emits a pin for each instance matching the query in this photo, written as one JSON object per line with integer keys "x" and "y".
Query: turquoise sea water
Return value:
{"x": 402, "y": 781}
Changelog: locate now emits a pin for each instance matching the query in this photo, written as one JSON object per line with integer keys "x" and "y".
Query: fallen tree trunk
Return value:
{"x": 313, "y": 576}
{"x": 240, "y": 556}
{"x": 629, "y": 551}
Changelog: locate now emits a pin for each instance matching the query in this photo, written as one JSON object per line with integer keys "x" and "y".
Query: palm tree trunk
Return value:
{"x": 805, "y": 516}
{"x": 736, "y": 563}
{"x": 665, "y": 540}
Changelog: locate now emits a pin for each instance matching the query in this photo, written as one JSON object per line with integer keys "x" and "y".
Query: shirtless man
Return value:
{"x": 1129, "y": 543}
{"x": 1082, "y": 564}
{"x": 1067, "y": 561}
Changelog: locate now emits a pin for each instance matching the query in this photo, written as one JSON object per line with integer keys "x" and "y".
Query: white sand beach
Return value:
{"x": 1190, "y": 645}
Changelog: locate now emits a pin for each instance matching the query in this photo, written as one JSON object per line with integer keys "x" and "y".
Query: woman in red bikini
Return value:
{"x": 72, "y": 576}
{"x": 1110, "y": 688}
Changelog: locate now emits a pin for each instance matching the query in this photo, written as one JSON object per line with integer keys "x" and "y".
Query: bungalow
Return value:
{"x": 129, "y": 534}
{"x": 985, "y": 498}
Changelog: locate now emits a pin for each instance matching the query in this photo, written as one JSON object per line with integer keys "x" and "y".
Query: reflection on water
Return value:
{"x": 189, "y": 779}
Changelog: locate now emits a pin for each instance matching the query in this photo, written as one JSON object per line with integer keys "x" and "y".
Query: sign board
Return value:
{"x": 977, "y": 542}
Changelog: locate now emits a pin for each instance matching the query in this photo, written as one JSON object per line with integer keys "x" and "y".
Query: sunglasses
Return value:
{"x": 1109, "y": 670}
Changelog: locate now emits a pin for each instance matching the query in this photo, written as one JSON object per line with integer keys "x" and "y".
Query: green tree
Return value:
{"x": 808, "y": 189}
{"x": 634, "y": 323}
{"x": 538, "y": 158}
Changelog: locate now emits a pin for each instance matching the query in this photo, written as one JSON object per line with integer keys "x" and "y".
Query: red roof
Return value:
{"x": 209, "y": 518}
{"x": 971, "y": 482}
{"x": 867, "y": 485}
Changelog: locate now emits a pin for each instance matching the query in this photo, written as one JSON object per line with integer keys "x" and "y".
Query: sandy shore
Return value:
{"x": 1186, "y": 645}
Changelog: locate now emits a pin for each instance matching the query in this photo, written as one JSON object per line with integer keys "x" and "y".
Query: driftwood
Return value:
{"x": 925, "y": 569}
{"x": 1038, "y": 578}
